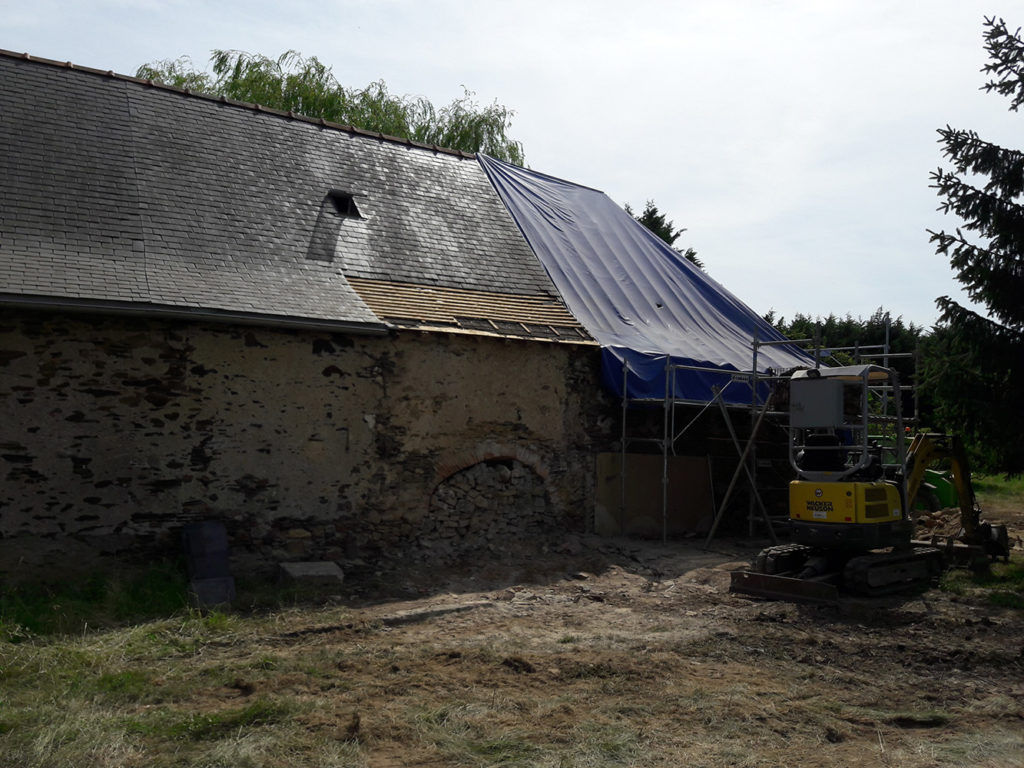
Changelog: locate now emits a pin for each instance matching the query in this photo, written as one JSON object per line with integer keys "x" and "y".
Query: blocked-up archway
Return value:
{"x": 494, "y": 503}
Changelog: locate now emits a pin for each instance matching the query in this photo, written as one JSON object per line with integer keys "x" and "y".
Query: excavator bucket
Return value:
{"x": 787, "y": 588}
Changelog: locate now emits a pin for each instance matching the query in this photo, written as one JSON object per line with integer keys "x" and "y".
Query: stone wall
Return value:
{"x": 307, "y": 445}
{"x": 489, "y": 505}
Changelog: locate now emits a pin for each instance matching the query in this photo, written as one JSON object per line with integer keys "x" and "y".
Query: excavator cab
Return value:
{"x": 849, "y": 490}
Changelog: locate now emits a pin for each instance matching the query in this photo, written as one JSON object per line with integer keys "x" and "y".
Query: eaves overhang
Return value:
{"x": 194, "y": 314}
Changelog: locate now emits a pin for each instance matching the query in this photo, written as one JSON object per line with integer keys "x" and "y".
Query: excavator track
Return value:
{"x": 776, "y": 574}
{"x": 884, "y": 573}
{"x": 782, "y": 558}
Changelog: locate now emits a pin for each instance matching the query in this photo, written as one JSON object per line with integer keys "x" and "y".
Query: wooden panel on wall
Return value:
{"x": 690, "y": 507}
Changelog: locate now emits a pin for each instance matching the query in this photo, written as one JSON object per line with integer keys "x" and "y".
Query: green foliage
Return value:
{"x": 976, "y": 370}
{"x": 850, "y": 332}
{"x": 659, "y": 224}
{"x": 860, "y": 341}
{"x": 976, "y": 380}
{"x": 180, "y": 73}
{"x": 288, "y": 82}
{"x": 102, "y": 599}
{"x": 306, "y": 86}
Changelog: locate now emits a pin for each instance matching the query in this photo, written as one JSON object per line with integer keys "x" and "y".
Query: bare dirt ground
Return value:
{"x": 597, "y": 652}
{"x": 614, "y": 652}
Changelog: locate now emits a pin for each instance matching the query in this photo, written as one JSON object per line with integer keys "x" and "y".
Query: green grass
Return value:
{"x": 161, "y": 693}
{"x": 102, "y": 599}
{"x": 207, "y": 726}
{"x": 504, "y": 750}
{"x": 123, "y": 685}
{"x": 106, "y": 600}
{"x": 999, "y": 487}
{"x": 207, "y": 689}
{"x": 1002, "y": 586}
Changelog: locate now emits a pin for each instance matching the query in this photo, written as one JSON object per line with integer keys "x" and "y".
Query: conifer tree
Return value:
{"x": 659, "y": 224}
{"x": 976, "y": 364}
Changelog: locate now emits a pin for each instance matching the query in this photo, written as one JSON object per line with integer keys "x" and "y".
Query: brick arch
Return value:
{"x": 489, "y": 451}
{"x": 492, "y": 450}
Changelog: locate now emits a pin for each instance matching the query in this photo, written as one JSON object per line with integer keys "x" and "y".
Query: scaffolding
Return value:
{"x": 758, "y": 409}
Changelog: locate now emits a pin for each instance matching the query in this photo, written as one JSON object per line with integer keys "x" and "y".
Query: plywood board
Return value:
{"x": 690, "y": 507}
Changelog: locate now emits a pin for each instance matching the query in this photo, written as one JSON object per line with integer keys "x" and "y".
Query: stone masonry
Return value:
{"x": 488, "y": 505}
{"x": 308, "y": 445}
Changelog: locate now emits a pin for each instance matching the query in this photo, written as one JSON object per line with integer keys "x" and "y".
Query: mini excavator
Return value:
{"x": 850, "y": 505}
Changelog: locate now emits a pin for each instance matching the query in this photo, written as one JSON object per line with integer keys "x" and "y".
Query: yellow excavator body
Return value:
{"x": 844, "y": 503}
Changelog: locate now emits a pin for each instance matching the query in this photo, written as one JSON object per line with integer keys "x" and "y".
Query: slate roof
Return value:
{"x": 121, "y": 195}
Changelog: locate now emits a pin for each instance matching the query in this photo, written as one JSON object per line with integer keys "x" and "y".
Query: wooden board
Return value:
{"x": 689, "y": 510}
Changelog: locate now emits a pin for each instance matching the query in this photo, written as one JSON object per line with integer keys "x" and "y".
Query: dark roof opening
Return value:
{"x": 334, "y": 209}
{"x": 344, "y": 203}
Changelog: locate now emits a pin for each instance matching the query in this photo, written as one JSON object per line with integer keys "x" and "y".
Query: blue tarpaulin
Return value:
{"x": 643, "y": 302}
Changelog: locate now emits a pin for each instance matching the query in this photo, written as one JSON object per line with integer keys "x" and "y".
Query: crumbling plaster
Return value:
{"x": 307, "y": 444}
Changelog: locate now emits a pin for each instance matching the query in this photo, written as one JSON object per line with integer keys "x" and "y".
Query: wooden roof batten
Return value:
{"x": 437, "y": 307}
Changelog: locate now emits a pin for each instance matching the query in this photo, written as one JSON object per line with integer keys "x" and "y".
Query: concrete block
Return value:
{"x": 312, "y": 573}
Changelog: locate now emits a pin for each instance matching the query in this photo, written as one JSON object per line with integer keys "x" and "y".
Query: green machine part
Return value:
{"x": 943, "y": 490}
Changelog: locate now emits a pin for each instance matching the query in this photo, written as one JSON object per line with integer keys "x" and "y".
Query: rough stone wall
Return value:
{"x": 308, "y": 445}
{"x": 490, "y": 505}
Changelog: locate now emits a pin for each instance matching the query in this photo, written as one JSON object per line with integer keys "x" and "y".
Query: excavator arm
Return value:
{"x": 928, "y": 447}
{"x": 925, "y": 449}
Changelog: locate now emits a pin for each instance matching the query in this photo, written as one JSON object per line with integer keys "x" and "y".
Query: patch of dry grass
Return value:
{"x": 539, "y": 682}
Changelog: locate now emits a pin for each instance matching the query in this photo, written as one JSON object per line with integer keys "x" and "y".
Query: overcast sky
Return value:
{"x": 792, "y": 138}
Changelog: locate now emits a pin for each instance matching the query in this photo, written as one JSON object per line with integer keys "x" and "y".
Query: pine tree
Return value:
{"x": 659, "y": 224}
{"x": 976, "y": 365}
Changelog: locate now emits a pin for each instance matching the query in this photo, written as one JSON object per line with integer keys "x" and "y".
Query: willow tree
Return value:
{"x": 307, "y": 87}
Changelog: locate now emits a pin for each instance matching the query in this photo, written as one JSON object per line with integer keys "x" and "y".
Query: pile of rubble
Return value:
{"x": 944, "y": 524}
